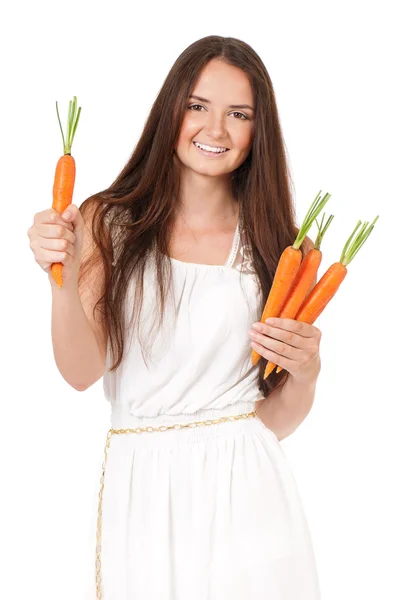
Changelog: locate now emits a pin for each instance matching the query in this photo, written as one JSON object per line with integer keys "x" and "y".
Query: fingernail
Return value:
{"x": 256, "y": 326}
{"x": 66, "y": 215}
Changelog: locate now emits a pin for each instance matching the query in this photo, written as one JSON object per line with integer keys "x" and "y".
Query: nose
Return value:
{"x": 215, "y": 126}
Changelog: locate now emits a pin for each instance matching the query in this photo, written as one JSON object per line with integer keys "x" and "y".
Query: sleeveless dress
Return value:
{"x": 205, "y": 513}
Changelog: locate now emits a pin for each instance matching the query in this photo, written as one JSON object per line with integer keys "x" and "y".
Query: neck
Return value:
{"x": 205, "y": 200}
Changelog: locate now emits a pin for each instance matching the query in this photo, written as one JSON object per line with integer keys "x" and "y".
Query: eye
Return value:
{"x": 193, "y": 105}
{"x": 245, "y": 118}
{"x": 239, "y": 113}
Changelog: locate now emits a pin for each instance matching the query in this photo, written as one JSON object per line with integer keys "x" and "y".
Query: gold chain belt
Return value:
{"x": 140, "y": 430}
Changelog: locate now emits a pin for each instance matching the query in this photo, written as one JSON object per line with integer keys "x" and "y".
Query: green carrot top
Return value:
{"x": 321, "y": 232}
{"x": 309, "y": 218}
{"x": 73, "y": 120}
{"x": 351, "y": 248}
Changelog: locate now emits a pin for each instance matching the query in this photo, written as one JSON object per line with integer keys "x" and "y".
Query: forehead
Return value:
{"x": 225, "y": 83}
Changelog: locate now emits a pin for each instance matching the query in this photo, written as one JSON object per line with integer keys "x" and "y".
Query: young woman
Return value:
{"x": 197, "y": 500}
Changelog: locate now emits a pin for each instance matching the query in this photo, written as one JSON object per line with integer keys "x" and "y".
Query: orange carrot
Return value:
{"x": 329, "y": 283}
{"x": 288, "y": 266}
{"x": 327, "y": 286}
{"x": 301, "y": 286}
{"x": 65, "y": 173}
{"x": 322, "y": 293}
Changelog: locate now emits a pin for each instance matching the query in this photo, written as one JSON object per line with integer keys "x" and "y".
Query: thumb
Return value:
{"x": 72, "y": 215}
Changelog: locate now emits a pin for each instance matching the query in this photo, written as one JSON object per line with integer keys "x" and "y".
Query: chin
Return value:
{"x": 201, "y": 168}
{"x": 211, "y": 172}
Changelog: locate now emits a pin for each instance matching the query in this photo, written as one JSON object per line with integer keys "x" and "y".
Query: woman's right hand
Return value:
{"x": 54, "y": 238}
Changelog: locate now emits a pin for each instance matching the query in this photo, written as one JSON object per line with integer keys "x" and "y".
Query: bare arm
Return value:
{"x": 287, "y": 406}
{"x": 78, "y": 335}
{"x": 79, "y": 356}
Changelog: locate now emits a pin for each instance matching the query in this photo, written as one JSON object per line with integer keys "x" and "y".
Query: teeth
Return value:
{"x": 209, "y": 148}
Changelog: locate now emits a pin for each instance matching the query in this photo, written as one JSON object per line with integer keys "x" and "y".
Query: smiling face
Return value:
{"x": 220, "y": 114}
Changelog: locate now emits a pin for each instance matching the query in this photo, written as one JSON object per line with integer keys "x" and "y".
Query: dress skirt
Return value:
{"x": 203, "y": 513}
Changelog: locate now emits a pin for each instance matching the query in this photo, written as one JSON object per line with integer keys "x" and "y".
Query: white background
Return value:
{"x": 335, "y": 81}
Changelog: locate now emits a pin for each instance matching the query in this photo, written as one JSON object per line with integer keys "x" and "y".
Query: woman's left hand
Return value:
{"x": 291, "y": 344}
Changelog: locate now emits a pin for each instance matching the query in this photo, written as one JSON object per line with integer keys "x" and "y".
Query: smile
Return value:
{"x": 210, "y": 150}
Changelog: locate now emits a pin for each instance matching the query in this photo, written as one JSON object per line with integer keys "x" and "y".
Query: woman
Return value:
{"x": 208, "y": 511}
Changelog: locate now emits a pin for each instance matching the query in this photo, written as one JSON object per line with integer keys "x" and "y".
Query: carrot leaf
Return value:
{"x": 321, "y": 232}
{"x": 351, "y": 249}
{"x": 71, "y": 124}
{"x": 70, "y": 119}
{"x": 59, "y": 120}
{"x": 314, "y": 210}
{"x": 75, "y": 125}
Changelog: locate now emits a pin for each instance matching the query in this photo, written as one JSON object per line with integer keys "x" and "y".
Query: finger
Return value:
{"x": 281, "y": 348}
{"x": 63, "y": 246}
{"x": 41, "y": 244}
{"x": 55, "y": 232}
{"x": 55, "y": 217}
{"x": 298, "y": 327}
{"x": 53, "y": 256}
{"x": 288, "y": 337}
{"x": 49, "y": 217}
{"x": 277, "y": 359}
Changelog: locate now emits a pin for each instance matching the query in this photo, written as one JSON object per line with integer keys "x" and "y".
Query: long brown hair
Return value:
{"x": 134, "y": 217}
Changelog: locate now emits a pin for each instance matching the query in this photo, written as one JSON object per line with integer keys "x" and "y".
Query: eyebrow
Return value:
{"x": 230, "y": 106}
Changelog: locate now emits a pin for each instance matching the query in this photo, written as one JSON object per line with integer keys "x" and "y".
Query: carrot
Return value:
{"x": 327, "y": 286}
{"x": 287, "y": 268}
{"x": 301, "y": 286}
{"x": 65, "y": 173}
{"x": 322, "y": 293}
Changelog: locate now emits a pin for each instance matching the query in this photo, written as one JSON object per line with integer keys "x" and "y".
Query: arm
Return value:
{"x": 287, "y": 406}
{"x": 79, "y": 356}
{"x": 79, "y": 336}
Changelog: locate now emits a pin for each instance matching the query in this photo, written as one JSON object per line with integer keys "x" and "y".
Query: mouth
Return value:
{"x": 208, "y": 150}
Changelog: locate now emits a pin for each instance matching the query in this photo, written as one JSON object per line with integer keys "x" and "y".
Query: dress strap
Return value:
{"x": 235, "y": 246}
{"x": 242, "y": 257}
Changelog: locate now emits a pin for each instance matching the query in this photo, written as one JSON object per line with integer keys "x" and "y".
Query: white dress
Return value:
{"x": 206, "y": 513}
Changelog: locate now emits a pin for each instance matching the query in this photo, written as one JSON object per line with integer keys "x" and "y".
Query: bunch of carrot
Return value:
{"x": 290, "y": 295}
{"x": 302, "y": 282}
{"x": 288, "y": 266}
{"x": 65, "y": 174}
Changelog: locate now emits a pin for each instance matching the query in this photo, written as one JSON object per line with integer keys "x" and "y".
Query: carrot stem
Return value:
{"x": 314, "y": 210}
{"x": 321, "y": 232}
{"x": 350, "y": 250}
{"x": 59, "y": 121}
{"x": 71, "y": 124}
